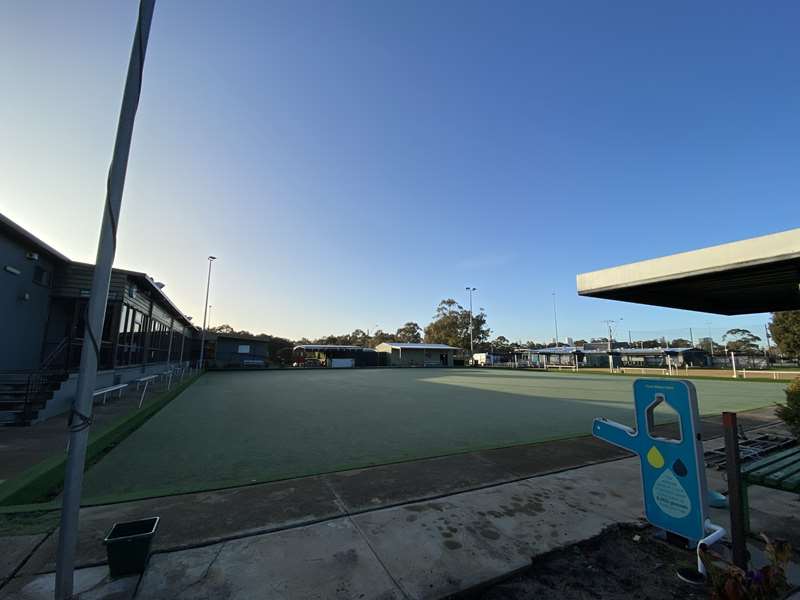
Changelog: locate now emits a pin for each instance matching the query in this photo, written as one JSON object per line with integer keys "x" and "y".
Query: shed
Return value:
{"x": 335, "y": 356}
{"x": 399, "y": 354}
{"x": 240, "y": 352}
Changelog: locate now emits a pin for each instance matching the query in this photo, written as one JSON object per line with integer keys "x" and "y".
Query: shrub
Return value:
{"x": 789, "y": 413}
{"x": 728, "y": 582}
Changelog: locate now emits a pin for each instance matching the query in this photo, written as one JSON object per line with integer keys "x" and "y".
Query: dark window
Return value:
{"x": 41, "y": 276}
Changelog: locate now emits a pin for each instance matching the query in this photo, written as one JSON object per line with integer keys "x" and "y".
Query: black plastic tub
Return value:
{"x": 128, "y": 546}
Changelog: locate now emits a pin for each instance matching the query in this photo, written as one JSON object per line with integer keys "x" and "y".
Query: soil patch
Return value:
{"x": 611, "y": 566}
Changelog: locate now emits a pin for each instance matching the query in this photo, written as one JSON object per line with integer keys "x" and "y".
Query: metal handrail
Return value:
{"x": 34, "y": 383}
{"x": 55, "y": 352}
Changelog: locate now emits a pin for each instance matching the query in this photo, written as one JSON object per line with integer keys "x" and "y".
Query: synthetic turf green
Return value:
{"x": 236, "y": 428}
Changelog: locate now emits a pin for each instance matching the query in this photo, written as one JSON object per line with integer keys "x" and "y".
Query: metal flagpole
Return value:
{"x": 81, "y": 415}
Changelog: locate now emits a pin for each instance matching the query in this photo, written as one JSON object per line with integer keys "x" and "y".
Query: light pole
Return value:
{"x": 211, "y": 259}
{"x": 555, "y": 317}
{"x": 610, "y": 324}
{"x": 710, "y": 339}
{"x": 471, "y": 343}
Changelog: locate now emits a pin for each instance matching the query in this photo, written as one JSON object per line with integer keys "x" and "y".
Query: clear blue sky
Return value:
{"x": 352, "y": 163}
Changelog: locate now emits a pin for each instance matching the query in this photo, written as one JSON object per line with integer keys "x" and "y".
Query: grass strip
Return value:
{"x": 45, "y": 480}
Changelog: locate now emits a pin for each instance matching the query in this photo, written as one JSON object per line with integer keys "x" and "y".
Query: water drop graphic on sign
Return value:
{"x": 655, "y": 458}
{"x": 670, "y": 496}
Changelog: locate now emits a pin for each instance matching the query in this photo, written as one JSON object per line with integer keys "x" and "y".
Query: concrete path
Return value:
{"x": 417, "y": 530}
{"x": 419, "y": 550}
{"x": 426, "y": 549}
{"x": 192, "y": 519}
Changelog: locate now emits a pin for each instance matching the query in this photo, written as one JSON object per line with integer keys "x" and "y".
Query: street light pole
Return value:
{"x": 710, "y": 339}
{"x": 555, "y": 317}
{"x": 610, "y": 323}
{"x": 211, "y": 259}
{"x": 80, "y": 419}
{"x": 471, "y": 323}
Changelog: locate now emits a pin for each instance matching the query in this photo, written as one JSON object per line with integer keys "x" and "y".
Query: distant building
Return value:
{"x": 591, "y": 356}
{"x": 334, "y": 356}
{"x": 397, "y": 354}
{"x": 237, "y": 352}
{"x": 489, "y": 358}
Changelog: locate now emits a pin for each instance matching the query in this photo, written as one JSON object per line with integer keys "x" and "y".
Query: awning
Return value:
{"x": 755, "y": 275}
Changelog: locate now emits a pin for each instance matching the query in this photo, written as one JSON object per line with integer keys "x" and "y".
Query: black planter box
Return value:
{"x": 128, "y": 546}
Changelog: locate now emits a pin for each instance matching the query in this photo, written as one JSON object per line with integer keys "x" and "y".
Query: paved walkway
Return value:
{"x": 362, "y": 511}
{"x": 426, "y": 549}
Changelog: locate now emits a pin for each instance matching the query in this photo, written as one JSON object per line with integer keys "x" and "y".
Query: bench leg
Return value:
{"x": 144, "y": 391}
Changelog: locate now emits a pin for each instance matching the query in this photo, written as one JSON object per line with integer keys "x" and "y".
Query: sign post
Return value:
{"x": 673, "y": 473}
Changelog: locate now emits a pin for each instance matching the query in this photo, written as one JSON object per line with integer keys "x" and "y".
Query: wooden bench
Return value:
{"x": 780, "y": 471}
{"x": 107, "y": 390}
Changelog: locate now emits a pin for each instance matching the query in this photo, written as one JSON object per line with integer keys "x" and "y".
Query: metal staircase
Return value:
{"x": 24, "y": 393}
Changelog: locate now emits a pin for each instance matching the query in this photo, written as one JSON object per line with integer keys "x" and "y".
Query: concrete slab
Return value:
{"x": 387, "y": 485}
{"x": 443, "y": 546}
{"x": 324, "y": 561}
{"x": 89, "y": 584}
{"x": 16, "y": 549}
{"x": 773, "y": 512}
{"x": 199, "y": 518}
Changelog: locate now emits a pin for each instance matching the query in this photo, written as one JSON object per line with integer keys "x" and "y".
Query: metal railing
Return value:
{"x": 25, "y": 387}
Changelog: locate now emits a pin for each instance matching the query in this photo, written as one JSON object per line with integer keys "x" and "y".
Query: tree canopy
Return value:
{"x": 451, "y": 325}
{"x": 741, "y": 340}
{"x": 410, "y": 333}
{"x": 785, "y": 330}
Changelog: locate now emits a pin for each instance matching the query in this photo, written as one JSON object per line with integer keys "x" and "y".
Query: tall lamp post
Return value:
{"x": 471, "y": 343}
{"x": 610, "y": 323}
{"x": 211, "y": 259}
{"x": 555, "y": 317}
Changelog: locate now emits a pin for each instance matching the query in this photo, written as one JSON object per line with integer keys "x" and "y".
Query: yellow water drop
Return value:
{"x": 655, "y": 458}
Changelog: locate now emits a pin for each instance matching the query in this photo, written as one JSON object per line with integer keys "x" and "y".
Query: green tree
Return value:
{"x": 789, "y": 413}
{"x": 741, "y": 340}
{"x": 359, "y": 338}
{"x": 500, "y": 345}
{"x": 380, "y": 336}
{"x": 785, "y": 330}
{"x": 680, "y": 343}
{"x": 410, "y": 333}
{"x": 451, "y": 325}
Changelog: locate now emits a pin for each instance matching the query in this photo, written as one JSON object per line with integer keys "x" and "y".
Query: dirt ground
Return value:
{"x": 610, "y": 566}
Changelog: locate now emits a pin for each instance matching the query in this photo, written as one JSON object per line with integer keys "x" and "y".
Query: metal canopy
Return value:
{"x": 756, "y": 275}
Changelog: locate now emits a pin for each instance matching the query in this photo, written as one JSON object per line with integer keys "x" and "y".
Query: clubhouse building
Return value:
{"x": 43, "y": 301}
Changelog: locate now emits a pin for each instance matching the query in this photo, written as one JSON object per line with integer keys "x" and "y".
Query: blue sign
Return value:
{"x": 673, "y": 472}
